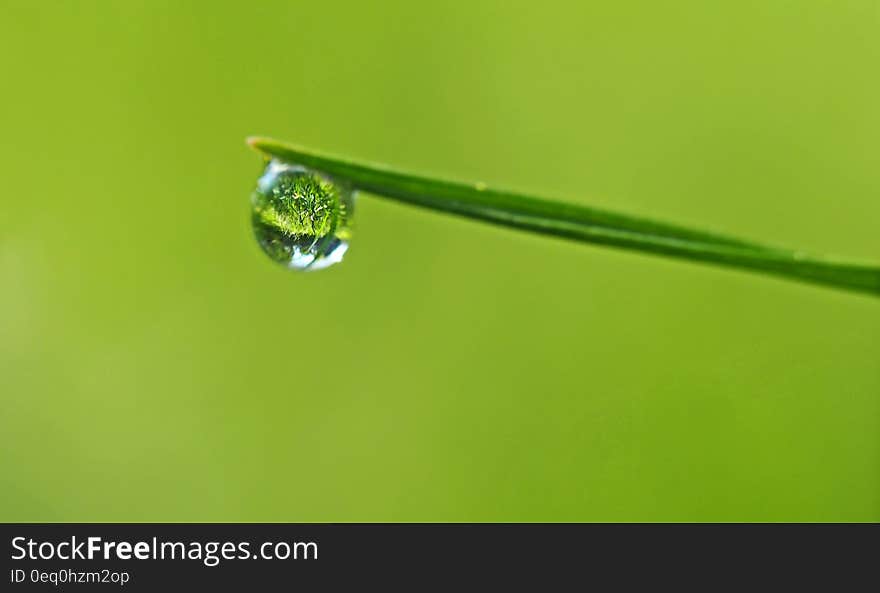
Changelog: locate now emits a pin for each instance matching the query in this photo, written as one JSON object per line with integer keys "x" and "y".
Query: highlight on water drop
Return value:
{"x": 301, "y": 219}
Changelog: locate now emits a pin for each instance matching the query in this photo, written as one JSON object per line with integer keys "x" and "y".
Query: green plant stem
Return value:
{"x": 580, "y": 223}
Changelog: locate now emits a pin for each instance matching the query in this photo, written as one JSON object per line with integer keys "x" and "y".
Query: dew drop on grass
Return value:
{"x": 301, "y": 219}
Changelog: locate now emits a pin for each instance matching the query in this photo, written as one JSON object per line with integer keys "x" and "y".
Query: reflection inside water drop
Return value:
{"x": 301, "y": 219}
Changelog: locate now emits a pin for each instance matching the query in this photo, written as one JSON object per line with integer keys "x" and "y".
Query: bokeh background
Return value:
{"x": 155, "y": 365}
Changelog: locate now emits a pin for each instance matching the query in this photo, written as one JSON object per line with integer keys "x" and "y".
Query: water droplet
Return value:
{"x": 301, "y": 219}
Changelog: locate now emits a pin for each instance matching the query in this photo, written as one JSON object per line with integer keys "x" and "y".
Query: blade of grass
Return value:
{"x": 580, "y": 223}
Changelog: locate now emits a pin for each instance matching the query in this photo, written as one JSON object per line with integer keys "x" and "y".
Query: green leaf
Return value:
{"x": 580, "y": 223}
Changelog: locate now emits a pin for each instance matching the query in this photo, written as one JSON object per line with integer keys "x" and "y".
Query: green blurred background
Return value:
{"x": 155, "y": 365}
